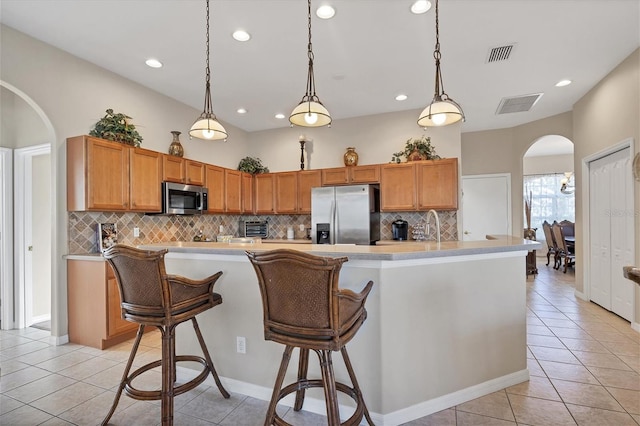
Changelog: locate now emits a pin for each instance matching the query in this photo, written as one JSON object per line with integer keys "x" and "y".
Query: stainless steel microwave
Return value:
{"x": 179, "y": 198}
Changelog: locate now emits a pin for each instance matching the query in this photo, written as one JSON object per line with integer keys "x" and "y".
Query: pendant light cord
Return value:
{"x": 311, "y": 85}
{"x": 207, "y": 92}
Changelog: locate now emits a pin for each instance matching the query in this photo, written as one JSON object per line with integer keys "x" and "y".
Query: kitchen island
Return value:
{"x": 446, "y": 323}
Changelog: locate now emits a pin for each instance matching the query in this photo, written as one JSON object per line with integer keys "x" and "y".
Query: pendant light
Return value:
{"x": 442, "y": 110}
{"x": 310, "y": 112}
{"x": 207, "y": 126}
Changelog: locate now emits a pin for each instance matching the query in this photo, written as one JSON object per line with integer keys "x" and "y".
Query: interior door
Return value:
{"x": 611, "y": 231}
{"x": 486, "y": 206}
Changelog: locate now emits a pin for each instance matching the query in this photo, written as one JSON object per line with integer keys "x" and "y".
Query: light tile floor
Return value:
{"x": 584, "y": 364}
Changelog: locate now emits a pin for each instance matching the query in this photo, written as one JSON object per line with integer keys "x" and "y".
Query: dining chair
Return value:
{"x": 569, "y": 258}
{"x": 552, "y": 246}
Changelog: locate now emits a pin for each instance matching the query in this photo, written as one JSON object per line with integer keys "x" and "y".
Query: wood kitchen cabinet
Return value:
{"x": 173, "y": 169}
{"x": 264, "y": 193}
{"x": 286, "y": 192}
{"x": 232, "y": 191}
{"x": 398, "y": 187}
{"x": 93, "y": 303}
{"x": 110, "y": 176}
{"x": 351, "y": 175}
{"x": 307, "y": 179}
{"x": 145, "y": 180}
{"x": 247, "y": 193}
{"x": 437, "y": 183}
{"x": 215, "y": 184}
{"x": 419, "y": 185}
{"x": 194, "y": 172}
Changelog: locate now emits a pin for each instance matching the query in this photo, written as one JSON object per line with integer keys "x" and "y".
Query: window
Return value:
{"x": 548, "y": 203}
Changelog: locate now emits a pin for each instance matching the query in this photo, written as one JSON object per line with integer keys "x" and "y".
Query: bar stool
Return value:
{"x": 151, "y": 297}
{"x": 304, "y": 308}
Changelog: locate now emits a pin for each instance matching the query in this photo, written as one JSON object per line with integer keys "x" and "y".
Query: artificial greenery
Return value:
{"x": 252, "y": 165}
{"x": 116, "y": 127}
{"x": 421, "y": 146}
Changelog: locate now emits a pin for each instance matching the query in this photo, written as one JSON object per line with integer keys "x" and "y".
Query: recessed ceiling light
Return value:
{"x": 325, "y": 12}
{"x": 153, "y": 63}
{"x": 279, "y": 116}
{"x": 563, "y": 83}
{"x": 242, "y": 111}
{"x": 401, "y": 98}
{"x": 241, "y": 35}
{"x": 420, "y": 6}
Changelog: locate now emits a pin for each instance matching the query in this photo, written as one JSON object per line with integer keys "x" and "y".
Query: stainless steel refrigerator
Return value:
{"x": 345, "y": 214}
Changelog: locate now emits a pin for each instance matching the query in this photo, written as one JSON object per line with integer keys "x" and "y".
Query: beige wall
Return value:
{"x": 544, "y": 164}
{"x": 605, "y": 116}
{"x": 501, "y": 151}
{"x": 20, "y": 125}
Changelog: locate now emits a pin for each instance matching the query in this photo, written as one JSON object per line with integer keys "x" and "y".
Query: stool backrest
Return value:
{"x": 141, "y": 278}
{"x": 299, "y": 292}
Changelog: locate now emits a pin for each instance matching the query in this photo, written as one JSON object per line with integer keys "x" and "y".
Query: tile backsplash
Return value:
{"x": 155, "y": 229}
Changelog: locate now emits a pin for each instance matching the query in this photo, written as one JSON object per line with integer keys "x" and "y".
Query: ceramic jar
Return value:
{"x": 176, "y": 148}
{"x": 351, "y": 157}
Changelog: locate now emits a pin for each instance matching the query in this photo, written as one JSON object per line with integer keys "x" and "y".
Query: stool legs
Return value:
{"x": 207, "y": 357}
{"x": 275, "y": 396}
{"x": 354, "y": 381}
{"x": 125, "y": 375}
{"x": 303, "y": 367}
{"x": 329, "y": 384}
{"x": 168, "y": 374}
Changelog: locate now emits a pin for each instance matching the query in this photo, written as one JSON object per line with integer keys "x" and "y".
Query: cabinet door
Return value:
{"x": 286, "y": 192}
{"x": 107, "y": 169}
{"x": 115, "y": 323}
{"x": 264, "y": 191}
{"x": 306, "y": 180}
{"x": 247, "y": 193}
{"x": 335, "y": 176}
{"x": 215, "y": 185}
{"x": 397, "y": 187}
{"x": 364, "y": 174}
{"x": 173, "y": 169}
{"x": 195, "y": 172}
{"x": 233, "y": 191}
{"x": 438, "y": 184}
{"x": 145, "y": 174}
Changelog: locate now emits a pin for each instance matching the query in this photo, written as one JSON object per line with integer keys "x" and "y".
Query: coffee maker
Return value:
{"x": 400, "y": 229}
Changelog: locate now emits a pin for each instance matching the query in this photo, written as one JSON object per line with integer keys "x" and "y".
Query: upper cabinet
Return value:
{"x": 264, "y": 192}
{"x": 109, "y": 176}
{"x": 173, "y": 169}
{"x": 215, "y": 184}
{"x": 351, "y": 175}
{"x": 307, "y": 179}
{"x": 286, "y": 195}
{"x": 232, "y": 191}
{"x": 438, "y": 184}
{"x": 247, "y": 193}
{"x": 419, "y": 185}
{"x": 195, "y": 173}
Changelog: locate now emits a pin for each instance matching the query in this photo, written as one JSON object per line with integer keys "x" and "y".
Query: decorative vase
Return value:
{"x": 351, "y": 157}
{"x": 176, "y": 148}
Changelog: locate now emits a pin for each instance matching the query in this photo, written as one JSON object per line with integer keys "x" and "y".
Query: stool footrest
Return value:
{"x": 151, "y": 395}
{"x": 355, "y": 418}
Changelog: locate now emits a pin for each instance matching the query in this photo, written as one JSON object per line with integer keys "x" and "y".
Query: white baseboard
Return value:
{"x": 398, "y": 417}
{"x": 580, "y": 295}
{"x": 59, "y": 340}
{"x": 635, "y": 326}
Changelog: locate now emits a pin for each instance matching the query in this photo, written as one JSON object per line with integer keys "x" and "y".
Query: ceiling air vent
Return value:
{"x": 518, "y": 103}
{"x": 501, "y": 53}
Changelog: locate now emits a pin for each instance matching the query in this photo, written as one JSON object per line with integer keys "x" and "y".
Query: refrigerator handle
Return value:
{"x": 333, "y": 228}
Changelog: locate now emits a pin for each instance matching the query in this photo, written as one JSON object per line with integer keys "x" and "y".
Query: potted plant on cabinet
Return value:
{"x": 252, "y": 165}
{"x": 116, "y": 127}
{"x": 416, "y": 149}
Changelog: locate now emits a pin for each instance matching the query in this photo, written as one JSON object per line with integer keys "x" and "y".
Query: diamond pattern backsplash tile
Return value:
{"x": 156, "y": 229}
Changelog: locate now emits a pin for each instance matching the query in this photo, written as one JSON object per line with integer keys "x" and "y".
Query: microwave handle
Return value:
{"x": 202, "y": 201}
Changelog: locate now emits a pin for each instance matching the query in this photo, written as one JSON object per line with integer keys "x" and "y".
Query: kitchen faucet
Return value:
{"x": 435, "y": 214}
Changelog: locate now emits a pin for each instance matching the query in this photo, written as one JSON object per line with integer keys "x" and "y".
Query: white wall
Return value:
{"x": 41, "y": 237}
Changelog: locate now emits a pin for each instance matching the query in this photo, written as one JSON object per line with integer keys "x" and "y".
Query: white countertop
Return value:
{"x": 395, "y": 251}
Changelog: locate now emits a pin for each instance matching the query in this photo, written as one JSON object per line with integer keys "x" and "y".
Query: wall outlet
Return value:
{"x": 301, "y": 227}
{"x": 136, "y": 232}
{"x": 241, "y": 345}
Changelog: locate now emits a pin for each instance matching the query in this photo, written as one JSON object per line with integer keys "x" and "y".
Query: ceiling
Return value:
{"x": 369, "y": 52}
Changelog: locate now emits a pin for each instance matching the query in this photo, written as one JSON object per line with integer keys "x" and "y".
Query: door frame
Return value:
{"x": 507, "y": 177}
{"x": 23, "y": 214}
{"x": 6, "y": 239}
{"x": 586, "y": 213}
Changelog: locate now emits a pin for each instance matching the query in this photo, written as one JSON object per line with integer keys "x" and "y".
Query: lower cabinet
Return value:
{"x": 94, "y": 305}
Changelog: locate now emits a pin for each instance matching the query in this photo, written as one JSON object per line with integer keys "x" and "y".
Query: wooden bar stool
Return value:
{"x": 151, "y": 297}
{"x": 304, "y": 308}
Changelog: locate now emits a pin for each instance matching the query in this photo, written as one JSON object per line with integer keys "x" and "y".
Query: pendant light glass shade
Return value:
{"x": 207, "y": 126}
{"x": 442, "y": 110}
{"x": 310, "y": 112}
